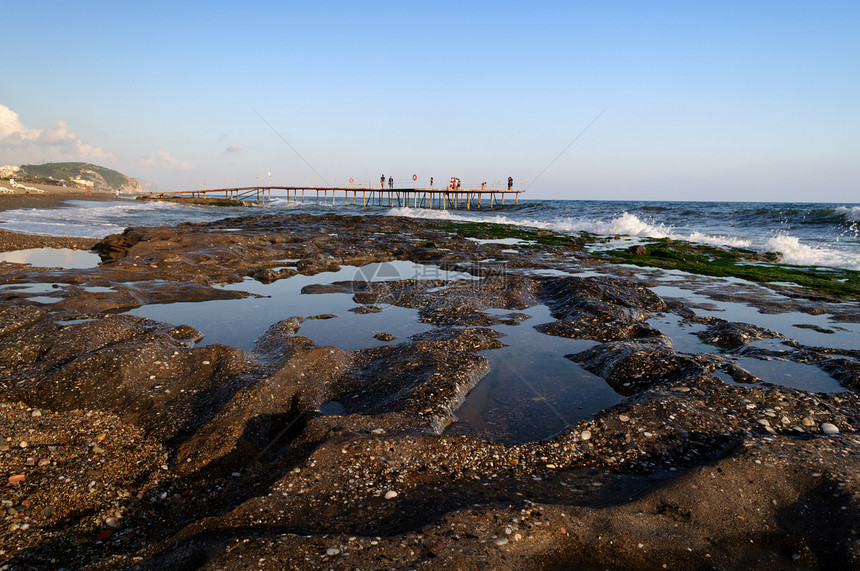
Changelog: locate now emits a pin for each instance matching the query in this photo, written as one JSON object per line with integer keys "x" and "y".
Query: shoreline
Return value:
{"x": 211, "y": 455}
{"x": 50, "y": 197}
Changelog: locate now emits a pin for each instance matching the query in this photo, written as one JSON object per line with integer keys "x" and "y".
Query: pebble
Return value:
{"x": 828, "y": 428}
{"x": 585, "y": 435}
{"x": 332, "y": 551}
{"x": 807, "y": 422}
{"x": 501, "y": 541}
{"x": 24, "y": 444}
{"x": 390, "y": 495}
{"x": 623, "y": 418}
{"x": 17, "y": 478}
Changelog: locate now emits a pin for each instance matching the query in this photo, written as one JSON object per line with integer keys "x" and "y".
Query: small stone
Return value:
{"x": 807, "y": 422}
{"x": 112, "y": 522}
{"x": 585, "y": 435}
{"x": 501, "y": 541}
{"x": 332, "y": 551}
{"x": 104, "y": 535}
{"x": 24, "y": 444}
{"x": 390, "y": 495}
{"x": 47, "y": 512}
{"x": 517, "y": 536}
{"x": 98, "y": 450}
{"x": 550, "y": 466}
{"x": 623, "y": 418}
{"x": 37, "y": 413}
{"x": 829, "y": 429}
{"x": 17, "y": 478}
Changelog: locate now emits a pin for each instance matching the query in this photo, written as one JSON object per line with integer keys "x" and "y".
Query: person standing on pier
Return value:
{"x": 510, "y": 183}
{"x": 391, "y": 183}
{"x": 382, "y": 181}
{"x": 431, "y": 182}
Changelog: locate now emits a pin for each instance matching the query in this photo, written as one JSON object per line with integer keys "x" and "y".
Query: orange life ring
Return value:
{"x": 350, "y": 180}
{"x": 414, "y": 177}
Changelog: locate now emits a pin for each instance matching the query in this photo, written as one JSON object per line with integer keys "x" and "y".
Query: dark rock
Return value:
{"x": 603, "y": 309}
{"x": 731, "y": 335}
{"x": 631, "y": 367}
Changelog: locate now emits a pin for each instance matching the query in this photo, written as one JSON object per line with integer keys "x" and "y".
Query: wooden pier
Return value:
{"x": 445, "y": 198}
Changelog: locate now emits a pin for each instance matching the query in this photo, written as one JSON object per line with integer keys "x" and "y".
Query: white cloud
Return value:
{"x": 163, "y": 159}
{"x": 24, "y": 144}
{"x": 235, "y": 148}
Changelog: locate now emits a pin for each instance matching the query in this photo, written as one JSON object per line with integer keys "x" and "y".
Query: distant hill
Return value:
{"x": 102, "y": 178}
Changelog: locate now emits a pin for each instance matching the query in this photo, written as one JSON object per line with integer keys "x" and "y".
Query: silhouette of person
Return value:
{"x": 431, "y": 182}
{"x": 510, "y": 183}
{"x": 382, "y": 181}
{"x": 391, "y": 182}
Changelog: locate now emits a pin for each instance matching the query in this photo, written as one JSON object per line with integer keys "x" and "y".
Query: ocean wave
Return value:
{"x": 794, "y": 252}
{"x": 624, "y": 224}
{"x": 627, "y": 224}
{"x": 850, "y": 213}
{"x": 89, "y": 219}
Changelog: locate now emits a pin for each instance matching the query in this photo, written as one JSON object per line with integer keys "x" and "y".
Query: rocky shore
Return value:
{"x": 126, "y": 443}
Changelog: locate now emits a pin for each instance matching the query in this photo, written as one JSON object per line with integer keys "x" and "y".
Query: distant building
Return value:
{"x": 81, "y": 183}
{"x": 8, "y": 171}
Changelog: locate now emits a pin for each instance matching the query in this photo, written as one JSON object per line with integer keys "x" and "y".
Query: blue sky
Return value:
{"x": 699, "y": 100}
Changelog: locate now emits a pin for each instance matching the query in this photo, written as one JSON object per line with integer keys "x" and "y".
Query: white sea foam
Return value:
{"x": 793, "y": 252}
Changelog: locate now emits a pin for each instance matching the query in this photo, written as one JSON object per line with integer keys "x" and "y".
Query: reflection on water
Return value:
{"x": 790, "y": 374}
{"x": 52, "y": 258}
{"x": 239, "y": 322}
{"x": 792, "y": 324}
{"x": 532, "y": 391}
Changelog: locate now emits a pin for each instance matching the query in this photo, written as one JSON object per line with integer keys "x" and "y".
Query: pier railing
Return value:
{"x": 444, "y": 198}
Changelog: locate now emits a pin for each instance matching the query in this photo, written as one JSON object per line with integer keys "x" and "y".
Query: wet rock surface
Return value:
{"x": 124, "y": 443}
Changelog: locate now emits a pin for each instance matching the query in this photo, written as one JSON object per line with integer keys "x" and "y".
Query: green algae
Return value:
{"x": 738, "y": 263}
{"x": 494, "y": 231}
